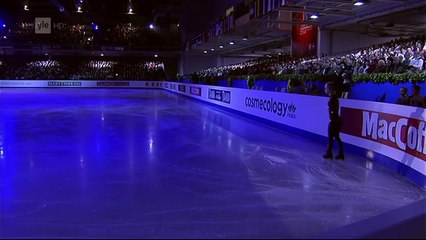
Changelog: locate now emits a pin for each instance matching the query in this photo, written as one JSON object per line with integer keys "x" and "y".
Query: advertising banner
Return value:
{"x": 304, "y": 38}
{"x": 308, "y": 113}
{"x": 396, "y": 131}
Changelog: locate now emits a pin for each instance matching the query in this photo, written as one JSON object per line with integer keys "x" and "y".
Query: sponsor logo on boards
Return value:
{"x": 112, "y": 84}
{"x": 280, "y": 108}
{"x": 220, "y": 95}
{"x": 63, "y": 83}
{"x": 195, "y": 90}
{"x": 182, "y": 88}
{"x": 399, "y": 132}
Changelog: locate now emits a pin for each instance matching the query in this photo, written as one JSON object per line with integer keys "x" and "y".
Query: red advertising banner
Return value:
{"x": 304, "y": 38}
{"x": 399, "y": 132}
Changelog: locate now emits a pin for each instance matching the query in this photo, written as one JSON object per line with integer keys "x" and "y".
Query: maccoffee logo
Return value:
{"x": 399, "y": 132}
{"x": 60, "y": 84}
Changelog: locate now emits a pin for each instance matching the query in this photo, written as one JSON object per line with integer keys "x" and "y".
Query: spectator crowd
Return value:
{"x": 120, "y": 34}
{"x": 398, "y": 56}
{"x": 403, "y": 55}
{"x": 82, "y": 69}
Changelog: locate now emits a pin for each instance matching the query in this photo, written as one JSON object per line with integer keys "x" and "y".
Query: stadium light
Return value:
{"x": 130, "y": 8}
{"x": 359, "y": 3}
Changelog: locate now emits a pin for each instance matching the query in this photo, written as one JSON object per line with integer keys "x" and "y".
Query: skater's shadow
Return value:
{"x": 407, "y": 159}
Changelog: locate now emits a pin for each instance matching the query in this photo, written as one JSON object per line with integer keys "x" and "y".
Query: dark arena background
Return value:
{"x": 209, "y": 119}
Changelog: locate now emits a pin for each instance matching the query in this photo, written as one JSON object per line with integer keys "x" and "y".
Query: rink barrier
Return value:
{"x": 389, "y": 134}
{"x": 79, "y": 84}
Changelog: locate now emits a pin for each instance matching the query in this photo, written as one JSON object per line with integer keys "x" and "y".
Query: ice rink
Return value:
{"x": 129, "y": 163}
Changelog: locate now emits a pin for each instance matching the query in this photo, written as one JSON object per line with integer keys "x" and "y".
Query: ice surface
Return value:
{"x": 108, "y": 163}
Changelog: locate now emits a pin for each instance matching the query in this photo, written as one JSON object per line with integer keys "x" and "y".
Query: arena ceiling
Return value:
{"x": 379, "y": 18}
{"x": 103, "y": 14}
{"x": 102, "y": 11}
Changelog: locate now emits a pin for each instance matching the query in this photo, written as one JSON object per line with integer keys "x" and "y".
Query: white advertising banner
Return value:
{"x": 309, "y": 113}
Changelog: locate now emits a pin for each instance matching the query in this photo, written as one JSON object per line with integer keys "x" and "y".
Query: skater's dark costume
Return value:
{"x": 335, "y": 123}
